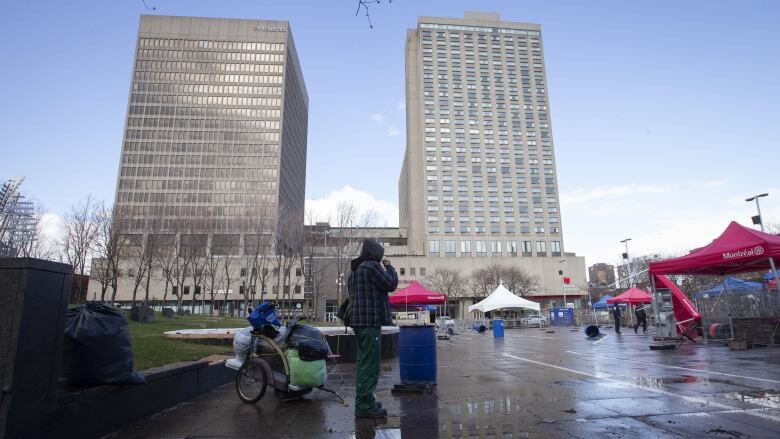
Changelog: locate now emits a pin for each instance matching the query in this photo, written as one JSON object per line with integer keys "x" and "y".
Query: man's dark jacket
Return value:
{"x": 368, "y": 285}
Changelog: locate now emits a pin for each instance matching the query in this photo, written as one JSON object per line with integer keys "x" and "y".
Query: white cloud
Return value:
{"x": 377, "y": 117}
{"x": 51, "y": 227}
{"x": 709, "y": 184}
{"x": 324, "y": 209}
{"x": 393, "y": 131}
{"x": 581, "y": 196}
{"x": 402, "y": 106}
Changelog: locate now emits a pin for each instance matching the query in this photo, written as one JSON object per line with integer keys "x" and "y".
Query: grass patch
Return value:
{"x": 151, "y": 348}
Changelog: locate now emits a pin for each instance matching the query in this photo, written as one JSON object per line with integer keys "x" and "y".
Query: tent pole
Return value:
{"x": 731, "y": 322}
{"x": 774, "y": 272}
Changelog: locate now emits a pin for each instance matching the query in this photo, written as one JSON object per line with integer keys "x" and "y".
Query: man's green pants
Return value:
{"x": 369, "y": 355}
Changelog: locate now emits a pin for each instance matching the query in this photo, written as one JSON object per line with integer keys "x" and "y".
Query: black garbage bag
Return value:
{"x": 308, "y": 340}
{"x": 97, "y": 347}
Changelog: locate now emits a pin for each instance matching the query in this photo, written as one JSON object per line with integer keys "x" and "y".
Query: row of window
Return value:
{"x": 190, "y": 66}
{"x": 199, "y": 160}
{"x": 533, "y": 34}
{"x": 495, "y": 229}
{"x": 232, "y": 101}
{"x": 266, "y": 149}
{"x": 208, "y": 55}
{"x": 225, "y": 136}
{"x": 203, "y": 215}
{"x": 210, "y": 78}
{"x": 211, "y": 124}
{"x": 481, "y": 247}
{"x": 191, "y": 172}
{"x": 194, "y": 185}
{"x": 166, "y": 87}
{"x": 221, "y": 112}
{"x": 208, "y": 44}
{"x": 268, "y": 196}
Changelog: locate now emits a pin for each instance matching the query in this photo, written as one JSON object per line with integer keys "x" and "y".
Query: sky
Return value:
{"x": 664, "y": 113}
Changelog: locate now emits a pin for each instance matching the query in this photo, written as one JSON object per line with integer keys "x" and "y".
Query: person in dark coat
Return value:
{"x": 641, "y": 319}
{"x": 368, "y": 286}
{"x": 616, "y": 315}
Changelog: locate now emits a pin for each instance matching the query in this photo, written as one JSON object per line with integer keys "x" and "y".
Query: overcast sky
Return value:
{"x": 664, "y": 113}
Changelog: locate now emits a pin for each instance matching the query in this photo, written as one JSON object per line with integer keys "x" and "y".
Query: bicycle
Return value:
{"x": 266, "y": 362}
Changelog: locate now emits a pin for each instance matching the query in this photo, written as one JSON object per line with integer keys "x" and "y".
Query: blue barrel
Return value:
{"x": 417, "y": 353}
{"x": 498, "y": 328}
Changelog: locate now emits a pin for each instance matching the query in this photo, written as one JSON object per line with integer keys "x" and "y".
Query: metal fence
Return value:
{"x": 746, "y": 303}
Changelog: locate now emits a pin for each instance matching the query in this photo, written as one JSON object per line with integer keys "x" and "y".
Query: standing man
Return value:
{"x": 641, "y": 319}
{"x": 616, "y": 315}
{"x": 368, "y": 286}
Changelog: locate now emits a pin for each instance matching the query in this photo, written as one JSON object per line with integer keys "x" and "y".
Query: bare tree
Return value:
{"x": 447, "y": 281}
{"x": 257, "y": 250}
{"x": 80, "y": 234}
{"x": 314, "y": 265}
{"x": 165, "y": 259}
{"x": 199, "y": 258}
{"x": 519, "y": 281}
{"x": 188, "y": 248}
{"x": 108, "y": 246}
{"x": 213, "y": 276}
{"x": 480, "y": 283}
{"x": 228, "y": 265}
{"x": 345, "y": 244}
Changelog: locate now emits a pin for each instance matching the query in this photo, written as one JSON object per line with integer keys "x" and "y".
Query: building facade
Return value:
{"x": 601, "y": 275}
{"x": 216, "y": 126}
{"x": 479, "y": 179}
{"x": 213, "y": 155}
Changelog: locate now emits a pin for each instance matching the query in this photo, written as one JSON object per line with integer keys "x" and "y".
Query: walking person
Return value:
{"x": 641, "y": 319}
{"x": 368, "y": 286}
{"x": 616, "y": 315}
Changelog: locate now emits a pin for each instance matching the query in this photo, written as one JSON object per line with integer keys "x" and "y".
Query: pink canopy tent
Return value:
{"x": 738, "y": 249}
{"x": 632, "y": 296}
{"x": 417, "y": 294}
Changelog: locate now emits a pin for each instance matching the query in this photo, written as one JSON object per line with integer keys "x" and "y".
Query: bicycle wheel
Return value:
{"x": 251, "y": 381}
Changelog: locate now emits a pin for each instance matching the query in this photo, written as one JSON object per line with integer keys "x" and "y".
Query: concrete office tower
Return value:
{"x": 215, "y": 137}
{"x": 478, "y": 176}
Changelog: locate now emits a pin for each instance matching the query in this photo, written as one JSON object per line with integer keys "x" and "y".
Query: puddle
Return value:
{"x": 764, "y": 398}
{"x": 684, "y": 379}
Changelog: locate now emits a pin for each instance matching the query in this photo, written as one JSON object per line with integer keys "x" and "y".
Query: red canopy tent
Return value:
{"x": 738, "y": 249}
{"x": 417, "y": 294}
{"x": 632, "y": 296}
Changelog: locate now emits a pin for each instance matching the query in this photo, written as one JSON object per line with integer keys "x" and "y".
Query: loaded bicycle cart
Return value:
{"x": 292, "y": 358}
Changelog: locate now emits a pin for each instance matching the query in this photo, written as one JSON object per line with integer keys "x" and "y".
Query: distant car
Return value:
{"x": 535, "y": 321}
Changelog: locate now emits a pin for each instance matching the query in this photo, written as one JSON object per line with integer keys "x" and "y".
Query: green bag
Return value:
{"x": 306, "y": 373}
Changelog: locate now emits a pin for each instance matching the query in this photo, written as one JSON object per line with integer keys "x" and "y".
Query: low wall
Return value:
{"x": 95, "y": 411}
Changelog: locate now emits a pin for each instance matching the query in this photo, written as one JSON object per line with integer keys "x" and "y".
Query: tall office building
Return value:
{"x": 478, "y": 176}
{"x": 216, "y": 128}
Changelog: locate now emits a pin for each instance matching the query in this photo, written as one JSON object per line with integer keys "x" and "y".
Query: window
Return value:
{"x": 541, "y": 248}
{"x": 555, "y": 248}
{"x": 495, "y": 247}
{"x": 449, "y": 248}
{"x": 511, "y": 248}
{"x": 433, "y": 248}
{"x": 422, "y": 271}
{"x": 527, "y": 248}
{"x": 402, "y": 271}
{"x": 412, "y": 271}
{"x": 465, "y": 247}
{"x": 481, "y": 248}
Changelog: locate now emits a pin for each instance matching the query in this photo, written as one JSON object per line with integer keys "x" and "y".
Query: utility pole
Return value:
{"x": 628, "y": 263}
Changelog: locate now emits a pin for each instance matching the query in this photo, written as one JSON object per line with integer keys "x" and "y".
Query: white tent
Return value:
{"x": 503, "y": 298}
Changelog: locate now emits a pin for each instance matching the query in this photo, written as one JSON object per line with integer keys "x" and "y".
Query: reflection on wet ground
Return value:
{"x": 531, "y": 384}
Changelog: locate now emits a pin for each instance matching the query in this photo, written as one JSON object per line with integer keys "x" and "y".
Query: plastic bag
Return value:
{"x": 306, "y": 373}
{"x": 308, "y": 341}
{"x": 242, "y": 342}
{"x": 97, "y": 347}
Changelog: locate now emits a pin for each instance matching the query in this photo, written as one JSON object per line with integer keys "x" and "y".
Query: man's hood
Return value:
{"x": 372, "y": 251}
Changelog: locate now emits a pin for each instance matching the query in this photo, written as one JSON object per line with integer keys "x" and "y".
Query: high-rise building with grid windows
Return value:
{"x": 215, "y": 136}
{"x": 479, "y": 176}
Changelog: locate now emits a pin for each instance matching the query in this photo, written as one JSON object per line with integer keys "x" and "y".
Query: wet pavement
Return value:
{"x": 533, "y": 383}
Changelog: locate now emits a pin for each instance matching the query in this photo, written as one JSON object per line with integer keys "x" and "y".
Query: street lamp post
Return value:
{"x": 761, "y": 223}
{"x": 628, "y": 263}
{"x": 563, "y": 285}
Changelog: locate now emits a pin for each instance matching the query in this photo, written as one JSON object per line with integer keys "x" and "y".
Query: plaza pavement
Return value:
{"x": 530, "y": 384}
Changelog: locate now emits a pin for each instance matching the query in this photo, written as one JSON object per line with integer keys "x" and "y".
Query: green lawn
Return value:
{"x": 151, "y": 348}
